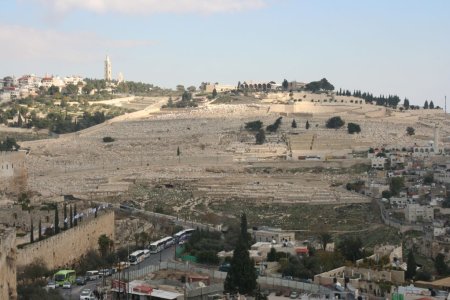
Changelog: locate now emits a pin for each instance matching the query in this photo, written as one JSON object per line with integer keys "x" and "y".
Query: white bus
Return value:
{"x": 92, "y": 275}
{"x": 161, "y": 244}
{"x": 136, "y": 257}
{"x": 183, "y": 235}
{"x": 146, "y": 253}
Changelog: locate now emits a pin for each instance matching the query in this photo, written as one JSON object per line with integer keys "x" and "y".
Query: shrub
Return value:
{"x": 254, "y": 125}
{"x": 353, "y": 128}
{"x": 410, "y": 130}
{"x": 108, "y": 139}
{"x": 260, "y": 137}
{"x": 335, "y": 123}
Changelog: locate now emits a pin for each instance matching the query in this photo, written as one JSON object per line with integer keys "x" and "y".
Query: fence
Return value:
{"x": 273, "y": 282}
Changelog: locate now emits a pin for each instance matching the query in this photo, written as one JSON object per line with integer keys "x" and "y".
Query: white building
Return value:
{"x": 417, "y": 212}
{"x": 108, "y": 69}
{"x": 378, "y": 162}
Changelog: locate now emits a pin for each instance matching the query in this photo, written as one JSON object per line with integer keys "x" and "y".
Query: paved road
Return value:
{"x": 154, "y": 259}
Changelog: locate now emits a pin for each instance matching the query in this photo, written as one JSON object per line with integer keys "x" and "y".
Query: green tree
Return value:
{"x": 353, "y": 128}
{"x": 410, "y": 130}
{"x": 431, "y": 105}
{"x": 325, "y": 239}
{"x": 254, "y": 125}
{"x": 178, "y": 151}
{"x": 307, "y": 125}
{"x": 285, "y": 85}
{"x": 425, "y": 105}
{"x": 294, "y": 124}
{"x": 335, "y": 122}
{"x": 65, "y": 216}
{"x": 9, "y": 144}
{"x": 396, "y": 184}
{"x": 272, "y": 255}
{"x": 214, "y": 93}
{"x": 40, "y": 230}
{"x": 53, "y": 90}
{"x": 56, "y": 220}
{"x": 260, "y": 137}
{"x": 242, "y": 274}
{"x": 104, "y": 243}
{"x": 406, "y": 103}
{"x": 71, "y": 89}
{"x": 31, "y": 231}
{"x": 351, "y": 248}
{"x": 440, "y": 265}
{"x": 410, "y": 266}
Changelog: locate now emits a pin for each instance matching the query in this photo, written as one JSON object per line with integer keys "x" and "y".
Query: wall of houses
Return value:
{"x": 8, "y": 281}
{"x": 65, "y": 248}
{"x": 13, "y": 172}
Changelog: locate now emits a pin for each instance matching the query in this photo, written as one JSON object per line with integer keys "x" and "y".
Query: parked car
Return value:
{"x": 287, "y": 293}
{"x": 67, "y": 285}
{"x": 105, "y": 272}
{"x": 51, "y": 285}
{"x": 80, "y": 280}
{"x": 278, "y": 293}
{"x": 87, "y": 294}
{"x": 294, "y": 295}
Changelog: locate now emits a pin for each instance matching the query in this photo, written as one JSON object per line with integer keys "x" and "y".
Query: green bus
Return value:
{"x": 64, "y": 276}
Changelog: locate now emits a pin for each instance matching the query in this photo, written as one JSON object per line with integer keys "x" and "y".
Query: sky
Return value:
{"x": 385, "y": 47}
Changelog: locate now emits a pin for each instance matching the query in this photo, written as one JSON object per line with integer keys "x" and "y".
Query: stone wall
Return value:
{"x": 13, "y": 172}
{"x": 8, "y": 255}
{"x": 65, "y": 248}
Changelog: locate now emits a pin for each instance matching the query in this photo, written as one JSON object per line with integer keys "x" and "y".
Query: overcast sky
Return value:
{"x": 382, "y": 46}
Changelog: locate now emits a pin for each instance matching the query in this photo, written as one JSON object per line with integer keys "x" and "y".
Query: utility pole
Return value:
{"x": 445, "y": 101}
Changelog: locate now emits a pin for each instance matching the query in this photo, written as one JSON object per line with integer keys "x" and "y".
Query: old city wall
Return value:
{"x": 13, "y": 172}
{"x": 65, "y": 248}
{"x": 8, "y": 256}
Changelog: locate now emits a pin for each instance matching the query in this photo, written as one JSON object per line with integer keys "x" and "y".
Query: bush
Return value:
{"x": 335, "y": 123}
{"x": 208, "y": 257}
{"x": 353, "y": 128}
{"x": 254, "y": 125}
{"x": 410, "y": 130}
{"x": 260, "y": 137}
{"x": 108, "y": 139}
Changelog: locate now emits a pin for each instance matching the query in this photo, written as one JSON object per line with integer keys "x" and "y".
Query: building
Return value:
{"x": 378, "y": 162}
{"x": 209, "y": 88}
{"x": 266, "y": 234}
{"x": 108, "y": 69}
{"x": 417, "y": 212}
{"x": 8, "y": 259}
{"x": 259, "y": 86}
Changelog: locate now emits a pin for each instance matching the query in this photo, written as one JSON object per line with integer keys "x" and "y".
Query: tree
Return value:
{"x": 396, "y": 185}
{"x": 75, "y": 217}
{"x": 65, "y": 216}
{"x": 31, "y": 231}
{"x": 71, "y": 89}
{"x": 53, "y": 90}
{"x": 410, "y": 266}
{"x": 440, "y": 265}
{"x": 9, "y": 144}
{"x": 335, "y": 122}
{"x": 178, "y": 151}
{"x": 425, "y": 105}
{"x": 294, "y": 124}
{"x": 260, "y": 137}
{"x": 70, "y": 217}
{"x": 406, "y": 103}
{"x": 274, "y": 127}
{"x": 103, "y": 244}
{"x": 353, "y": 128}
{"x": 242, "y": 274}
{"x": 272, "y": 255}
{"x": 56, "y": 220}
{"x": 254, "y": 125}
{"x": 351, "y": 248}
{"x": 431, "y": 105}
{"x": 410, "y": 130}
{"x": 40, "y": 230}
{"x": 325, "y": 239}
{"x": 214, "y": 93}
{"x": 307, "y": 125}
{"x": 285, "y": 85}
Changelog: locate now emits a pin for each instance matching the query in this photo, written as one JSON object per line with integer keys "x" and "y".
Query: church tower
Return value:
{"x": 108, "y": 69}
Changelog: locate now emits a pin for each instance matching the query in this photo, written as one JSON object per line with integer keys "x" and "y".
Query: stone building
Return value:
{"x": 13, "y": 172}
{"x": 417, "y": 212}
{"x": 8, "y": 258}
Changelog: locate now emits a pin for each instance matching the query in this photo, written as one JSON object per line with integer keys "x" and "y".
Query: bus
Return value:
{"x": 161, "y": 244}
{"x": 92, "y": 275}
{"x": 146, "y": 253}
{"x": 183, "y": 235}
{"x": 64, "y": 276}
{"x": 136, "y": 257}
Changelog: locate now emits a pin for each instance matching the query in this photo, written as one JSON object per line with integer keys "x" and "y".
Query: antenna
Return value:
{"x": 445, "y": 103}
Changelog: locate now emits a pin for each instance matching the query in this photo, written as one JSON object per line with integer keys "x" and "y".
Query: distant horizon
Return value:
{"x": 381, "y": 47}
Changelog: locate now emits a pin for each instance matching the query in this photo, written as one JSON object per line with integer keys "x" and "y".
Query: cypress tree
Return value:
{"x": 40, "y": 230}
{"x": 242, "y": 274}
{"x": 65, "y": 216}
{"x": 410, "y": 266}
{"x": 425, "y": 105}
{"x": 307, "y": 125}
{"x": 56, "y": 220}
{"x": 75, "y": 220}
{"x": 70, "y": 216}
{"x": 294, "y": 124}
{"x": 431, "y": 105}
{"x": 32, "y": 232}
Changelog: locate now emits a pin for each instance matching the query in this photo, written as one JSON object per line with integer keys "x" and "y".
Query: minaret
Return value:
{"x": 108, "y": 69}
{"x": 436, "y": 139}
